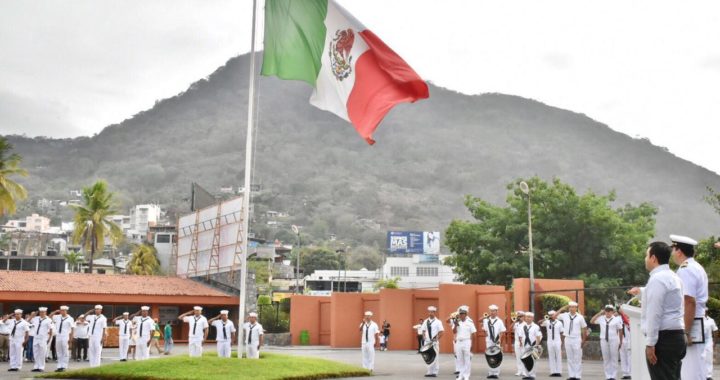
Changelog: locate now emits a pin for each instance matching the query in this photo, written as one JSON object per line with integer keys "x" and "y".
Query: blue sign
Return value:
{"x": 413, "y": 242}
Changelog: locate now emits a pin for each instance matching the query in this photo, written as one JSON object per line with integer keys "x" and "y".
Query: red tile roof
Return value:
{"x": 52, "y": 282}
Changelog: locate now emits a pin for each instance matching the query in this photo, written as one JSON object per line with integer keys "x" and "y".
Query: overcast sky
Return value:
{"x": 646, "y": 68}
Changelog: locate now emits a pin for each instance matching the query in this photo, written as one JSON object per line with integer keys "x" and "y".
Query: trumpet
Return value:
{"x": 547, "y": 317}
{"x": 513, "y": 316}
{"x": 485, "y": 315}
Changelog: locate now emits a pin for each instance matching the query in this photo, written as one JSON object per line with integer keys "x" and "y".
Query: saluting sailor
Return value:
{"x": 530, "y": 336}
{"x": 369, "y": 334}
{"x": 710, "y": 329}
{"x": 97, "y": 326}
{"x": 197, "y": 333}
{"x": 494, "y": 328}
{"x": 432, "y": 332}
{"x": 19, "y": 333}
{"x": 145, "y": 326}
{"x": 575, "y": 334}
{"x": 64, "y": 325}
{"x": 554, "y": 330}
{"x": 517, "y": 347}
{"x": 224, "y": 333}
{"x": 464, "y": 329}
{"x": 695, "y": 291}
{"x": 611, "y": 329}
{"x": 43, "y": 331}
{"x": 125, "y": 326}
{"x": 254, "y": 337}
{"x": 625, "y": 357}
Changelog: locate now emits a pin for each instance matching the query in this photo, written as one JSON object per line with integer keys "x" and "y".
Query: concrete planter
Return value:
{"x": 277, "y": 339}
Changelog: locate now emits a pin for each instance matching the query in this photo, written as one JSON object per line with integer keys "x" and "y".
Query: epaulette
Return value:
{"x": 684, "y": 265}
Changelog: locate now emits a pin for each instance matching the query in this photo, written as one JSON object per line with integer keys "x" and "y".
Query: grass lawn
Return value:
{"x": 269, "y": 367}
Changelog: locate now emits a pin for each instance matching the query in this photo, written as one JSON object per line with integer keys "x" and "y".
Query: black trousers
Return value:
{"x": 53, "y": 350}
{"x": 81, "y": 348}
{"x": 669, "y": 350}
{"x": 420, "y": 341}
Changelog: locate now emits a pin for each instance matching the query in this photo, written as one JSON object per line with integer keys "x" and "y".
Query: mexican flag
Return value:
{"x": 355, "y": 75}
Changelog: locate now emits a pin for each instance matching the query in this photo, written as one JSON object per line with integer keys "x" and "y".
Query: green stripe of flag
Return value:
{"x": 294, "y": 38}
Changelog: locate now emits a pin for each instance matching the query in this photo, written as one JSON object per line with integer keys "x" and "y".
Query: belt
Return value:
{"x": 5, "y": 334}
{"x": 463, "y": 339}
{"x": 662, "y": 333}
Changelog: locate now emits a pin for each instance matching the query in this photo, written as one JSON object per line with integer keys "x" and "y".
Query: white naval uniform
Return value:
{"x": 610, "y": 343}
{"x": 529, "y": 335}
{"x": 252, "y": 339}
{"x": 710, "y": 328}
{"x": 63, "y": 328}
{"x": 517, "y": 348}
{"x": 625, "y": 353}
{"x": 223, "y": 337}
{"x": 554, "y": 330}
{"x": 463, "y": 346}
{"x": 196, "y": 334}
{"x": 695, "y": 284}
{"x": 19, "y": 329}
{"x": 498, "y": 327}
{"x": 457, "y": 359}
{"x": 144, "y": 327}
{"x": 96, "y": 332}
{"x": 125, "y": 330}
{"x": 572, "y": 330}
{"x": 368, "y": 335}
{"x": 42, "y": 331}
{"x": 431, "y": 328}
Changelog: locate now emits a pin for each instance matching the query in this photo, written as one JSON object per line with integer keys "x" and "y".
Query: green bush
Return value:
{"x": 264, "y": 300}
{"x": 553, "y": 301}
{"x": 713, "y": 308}
{"x": 285, "y": 305}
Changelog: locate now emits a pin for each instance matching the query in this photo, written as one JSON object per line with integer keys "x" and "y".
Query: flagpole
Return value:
{"x": 246, "y": 191}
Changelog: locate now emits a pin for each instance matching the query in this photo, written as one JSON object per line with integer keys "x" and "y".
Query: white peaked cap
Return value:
{"x": 225, "y": 312}
{"x": 529, "y": 314}
{"x": 145, "y": 308}
{"x": 368, "y": 314}
{"x": 432, "y": 308}
{"x": 572, "y": 303}
{"x": 198, "y": 308}
{"x": 42, "y": 308}
{"x": 63, "y": 307}
{"x": 520, "y": 312}
{"x": 98, "y": 307}
{"x": 551, "y": 312}
{"x": 463, "y": 309}
{"x": 683, "y": 239}
{"x": 126, "y": 313}
{"x": 252, "y": 315}
{"x": 493, "y": 307}
{"x": 18, "y": 311}
{"x": 609, "y": 307}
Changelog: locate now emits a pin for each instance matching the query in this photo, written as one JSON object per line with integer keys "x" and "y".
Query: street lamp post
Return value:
{"x": 296, "y": 230}
{"x": 526, "y": 189}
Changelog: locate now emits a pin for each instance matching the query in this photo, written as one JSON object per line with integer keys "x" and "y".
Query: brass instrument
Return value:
{"x": 547, "y": 317}
{"x": 485, "y": 315}
{"x": 513, "y": 316}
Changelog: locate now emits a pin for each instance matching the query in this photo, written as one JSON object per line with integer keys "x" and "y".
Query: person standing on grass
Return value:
{"x": 254, "y": 336}
{"x": 64, "y": 324}
{"x": 124, "y": 325}
{"x": 145, "y": 327}
{"x": 168, "y": 338}
{"x": 81, "y": 334}
{"x": 224, "y": 333}
{"x": 369, "y": 334}
{"x": 197, "y": 333}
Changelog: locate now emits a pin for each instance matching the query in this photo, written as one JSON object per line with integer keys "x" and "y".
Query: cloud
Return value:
{"x": 558, "y": 61}
{"x": 34, "y": 117}
{"x": 711, "y": 63}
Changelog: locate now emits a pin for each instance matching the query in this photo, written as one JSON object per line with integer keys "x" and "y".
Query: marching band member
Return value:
{"x": 575, "y": 334}
{"x": 43, "y": 332}
{"x": 64, "y": 324}
{"x": 254, "y": 336}
{"x": 554, "y": 343}
{"x": 464, "y": 330}
{"x": 224, "y": 333}
{"x": 19, "y": 334}
{"x": 432, "y": 332}
{"x": 530, "y": 336}
{"x": 517, "y": 323}
{"x": 625, "y": 357}
{"x": 145, "y": 327}
{"x": 369, "y": 334}
{"x": 124, "y": 325}
{"x": 197, "y": 333}
{"x": 494, "y": 328}
{"x": 451, "y": 322}
{"x": 611, "y": 328}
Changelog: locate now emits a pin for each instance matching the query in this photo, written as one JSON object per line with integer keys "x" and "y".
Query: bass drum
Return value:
{"x": 428, "y": 353}
{"x": 494, "y": 356}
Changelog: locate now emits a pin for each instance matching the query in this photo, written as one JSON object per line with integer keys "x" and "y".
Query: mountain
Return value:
{"x": 314, "y": 166}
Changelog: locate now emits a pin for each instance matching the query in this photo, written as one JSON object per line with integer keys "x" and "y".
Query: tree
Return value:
{"x": 74, "y": 259}
{"x": 713, "y": 199}
{"x": 365, "y": 257}
{"x": 389, "y": 283}
{"x": 92, "y": 219}
{"x": 314, "y": 258}
{"x": 144, "y": 260}
{"x": 10, "y": 191}
{"x": 709, "y": 257}
{"x": 574, "y": 235}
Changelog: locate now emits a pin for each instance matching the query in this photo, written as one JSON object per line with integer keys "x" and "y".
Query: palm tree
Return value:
{"x": 144, "y": 260}
{"x": 73, "y": 259}
{"x": 92, "y": 219}
{"x": 10, "y": 191}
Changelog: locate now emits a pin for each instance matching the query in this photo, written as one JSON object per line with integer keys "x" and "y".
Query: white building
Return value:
{"x": 32, "y": 223}
{"x": 141, "y": 218}
{"x": 419, "y": 271}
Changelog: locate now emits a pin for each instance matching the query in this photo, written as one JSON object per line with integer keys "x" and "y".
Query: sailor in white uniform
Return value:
{"x": 145, "y": 326}
{"x": 97, "y": 332}
{"x": 575, "y": 334}
{"x": 125, "y": 326}
{"x": 432, "y": 332}
{"x": 494, "y": 328}
{"x": 197, "y": 332}
{"x": 369, "y": 335}
{"x": 625, "y": 353}
{"x": 43, "y": 332}
{"x": 710, "y": 329}
{"x": 464, "y": 329}
{"x": 530, "y": 336}
{"x": 254, "y": 337}
{"x": 695, "y": 291}
{"x": 554, "y": 329}
{"x": 224, "y": 333}
{"x": 611, "y": 327}
{"x": 517, "y": 348}
{"x": 19, "y": 333}
{"x": 64, "y": 325}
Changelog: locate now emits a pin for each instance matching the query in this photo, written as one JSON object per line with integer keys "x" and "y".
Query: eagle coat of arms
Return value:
{"x": 339, "y": 52}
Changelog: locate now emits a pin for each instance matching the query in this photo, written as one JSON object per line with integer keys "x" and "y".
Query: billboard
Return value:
{"x": 414, "y": 242}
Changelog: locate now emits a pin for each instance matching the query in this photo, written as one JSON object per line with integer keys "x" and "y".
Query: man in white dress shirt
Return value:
{"x": 145, "y": 326}
{"x": 254, "y": 337}
{"x": 369, "y": 334}
{"x": 64, "y": 325}
{"x": 575, "y": 334}
{"x": 554, "y": 330}
{"x": 494, "y": 328}
{"x": 42, "y": 327}
{"x": 611, "y": 329}
{"x": 464, "y": 329}
{"x": 97, "y": 333}
{"x": 432, "y": 332}
{"x": 197, "y": 332}
{"x": 530, "y": 336}
{"x": 224, "y": 333}
{"x": 19, "y": 333}
{"x": 124, "y": 325}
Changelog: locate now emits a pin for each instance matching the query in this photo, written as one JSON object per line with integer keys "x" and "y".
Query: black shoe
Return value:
{"x": 492, "y": 377}
{"x": 430, "y": 375}
{"x": 13, "y": 370}
{"x": 628, "y": 377}
{"x": 123, "y": 360}
{"x": 36, "y": 370}
{"x": 60, "y": 370}
{"x": 528, "y": 378}
{"x": 555, "y": 375}
{"x": 456, "y": 373}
